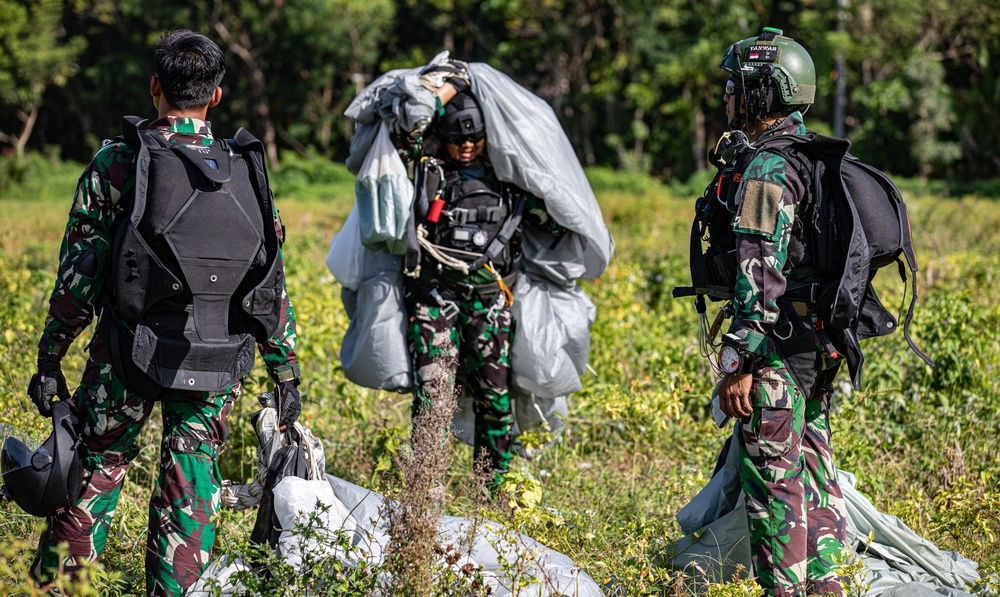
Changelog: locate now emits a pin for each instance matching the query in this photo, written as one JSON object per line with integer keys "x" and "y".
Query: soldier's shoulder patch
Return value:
{"x": 758, "y": 211}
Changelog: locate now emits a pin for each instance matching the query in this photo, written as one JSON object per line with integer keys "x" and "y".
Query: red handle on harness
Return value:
{"x": 434, "y": 212}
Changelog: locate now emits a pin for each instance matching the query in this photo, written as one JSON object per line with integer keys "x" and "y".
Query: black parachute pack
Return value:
{"x": 851, "y": 223}
{"x": 480, "y": 224}
{"x": 196, "y": 278}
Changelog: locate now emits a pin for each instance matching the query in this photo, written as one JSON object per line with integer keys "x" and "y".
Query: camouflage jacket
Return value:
{"x": 85, "y": 255}
{"x": 767, "y": 204}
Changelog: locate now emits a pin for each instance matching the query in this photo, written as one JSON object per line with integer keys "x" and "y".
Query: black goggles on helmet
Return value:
{"x": 461, "y": 139}
{"x": 732, "y": 86}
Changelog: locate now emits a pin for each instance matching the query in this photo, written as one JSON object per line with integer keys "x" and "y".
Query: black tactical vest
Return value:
{"x": 195, "y": 276}
{"x": 479, "y": 223}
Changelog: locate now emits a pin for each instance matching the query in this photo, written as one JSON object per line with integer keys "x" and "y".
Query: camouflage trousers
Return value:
{"x": 474, "y": 344}
{"x": 187, "y": 494}
{"x": 795, "y": 507}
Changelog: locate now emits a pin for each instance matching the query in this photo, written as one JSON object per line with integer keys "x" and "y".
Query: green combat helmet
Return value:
{"x": 777, "y": 66}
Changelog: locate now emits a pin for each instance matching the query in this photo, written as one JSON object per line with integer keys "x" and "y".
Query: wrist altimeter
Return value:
{"x": 734, "y": 358}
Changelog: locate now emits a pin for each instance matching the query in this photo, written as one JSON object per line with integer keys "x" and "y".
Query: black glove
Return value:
{"x": 289, "y": 403}
{"x": 47, "y": 384}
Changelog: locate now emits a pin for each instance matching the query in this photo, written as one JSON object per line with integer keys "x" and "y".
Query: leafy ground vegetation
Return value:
{"x": 923, "y": 442}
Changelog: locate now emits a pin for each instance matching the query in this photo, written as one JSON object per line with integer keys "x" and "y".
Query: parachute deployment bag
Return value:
{"x": 195, "y": 275}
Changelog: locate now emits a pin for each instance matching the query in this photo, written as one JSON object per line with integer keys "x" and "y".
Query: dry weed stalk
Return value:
{"x": 413, "y": 519}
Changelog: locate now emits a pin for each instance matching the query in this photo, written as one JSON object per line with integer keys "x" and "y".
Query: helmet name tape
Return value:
{"x": 762, "y": 53}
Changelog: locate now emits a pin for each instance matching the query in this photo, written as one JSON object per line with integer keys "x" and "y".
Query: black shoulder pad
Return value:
{"x": 243, "y": 140}
{"x": 130, "y": 129}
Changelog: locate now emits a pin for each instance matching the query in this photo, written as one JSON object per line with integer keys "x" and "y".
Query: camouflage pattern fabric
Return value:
{"x": 795, "y": 506}
{"x": 187, "y": 493}
{"x": 478, "y": 340}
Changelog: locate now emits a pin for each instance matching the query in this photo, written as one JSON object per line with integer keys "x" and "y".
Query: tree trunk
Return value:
{"x": 243, "y": 48}
{"x": 19, "y": 142}
{"x": 29, "y": 120}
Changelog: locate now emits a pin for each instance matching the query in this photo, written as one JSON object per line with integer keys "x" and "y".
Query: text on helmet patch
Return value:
{"x": 762, "y": 53}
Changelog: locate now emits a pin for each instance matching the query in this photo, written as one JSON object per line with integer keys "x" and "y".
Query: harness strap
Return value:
{"x": 429, "y": 282}
{"x": 909, "y": 314}
{"x": 503, "y": 238}
{"x": 462, "y": 215}
{"x": 411, "y": 259}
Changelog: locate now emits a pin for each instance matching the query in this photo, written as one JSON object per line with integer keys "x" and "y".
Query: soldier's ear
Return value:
{"x": 156, "y": 91}
{"x": 216, "y": 97}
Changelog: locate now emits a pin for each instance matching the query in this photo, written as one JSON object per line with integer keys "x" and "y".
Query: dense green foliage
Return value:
{"x": 923, "y": 442}
{"x": 635, "y": 82}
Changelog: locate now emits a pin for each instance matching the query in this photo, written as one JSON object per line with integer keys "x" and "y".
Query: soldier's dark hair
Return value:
{"x": 189, "y": 66}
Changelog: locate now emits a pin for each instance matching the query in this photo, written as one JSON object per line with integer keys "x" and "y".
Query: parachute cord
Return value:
{"x": 508, "y": 295}
{"x": 433, "y": 251}
{"x": 704, "y": 343}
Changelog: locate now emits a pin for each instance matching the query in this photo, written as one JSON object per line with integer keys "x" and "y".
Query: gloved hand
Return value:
{"x": 46, "y": 385}
{"x": 289, "y": 403}
{"x": 455, "y": 72}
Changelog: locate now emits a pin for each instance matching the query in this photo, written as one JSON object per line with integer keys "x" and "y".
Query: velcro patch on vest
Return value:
{"x": 759, "y": 208}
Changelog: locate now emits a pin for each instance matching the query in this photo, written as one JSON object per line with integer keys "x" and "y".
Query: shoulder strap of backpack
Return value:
{"x": 252, "y": 150}
{"x": 140, "y": 139}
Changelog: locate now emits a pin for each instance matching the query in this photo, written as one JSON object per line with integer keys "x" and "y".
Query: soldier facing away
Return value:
{"x": 778, "y": 363}
{"x": 183, "y": 310}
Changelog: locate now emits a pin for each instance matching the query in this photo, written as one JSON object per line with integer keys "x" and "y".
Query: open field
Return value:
{"x": 924, "y": 443}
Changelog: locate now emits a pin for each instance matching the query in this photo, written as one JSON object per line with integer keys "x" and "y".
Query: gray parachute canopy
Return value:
{"x": 526, "y": 146}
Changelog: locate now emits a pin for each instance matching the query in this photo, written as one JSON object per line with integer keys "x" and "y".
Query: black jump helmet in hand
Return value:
{"x": 49, "y": 479}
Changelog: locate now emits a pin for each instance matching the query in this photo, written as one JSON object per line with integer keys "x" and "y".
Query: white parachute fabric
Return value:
{"x": 552, "y": 343}
{"x": 345, "y": 525}
{"x": 342, "y": 507}
{"x": 373, "y": 352}
{"x": 383, "y": 192}
{"x": 897, "y": 561}
{"x": 346, "y": 257}
{"x": 528, "y": 148}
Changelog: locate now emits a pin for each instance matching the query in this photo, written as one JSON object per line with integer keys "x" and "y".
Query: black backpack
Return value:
{"x": 195, "y": 277}
{"x": 853, "y": 222}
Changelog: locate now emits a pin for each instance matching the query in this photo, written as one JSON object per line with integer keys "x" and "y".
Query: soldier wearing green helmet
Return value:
{"x": 777, "y": 362}
{"x": 776, "y": 72}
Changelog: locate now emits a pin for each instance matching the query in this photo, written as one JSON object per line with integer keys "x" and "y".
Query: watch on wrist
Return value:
{"x": 734, "y": 358}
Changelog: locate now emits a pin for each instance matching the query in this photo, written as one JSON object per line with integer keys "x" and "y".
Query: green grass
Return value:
{"x": 923, "y": 442}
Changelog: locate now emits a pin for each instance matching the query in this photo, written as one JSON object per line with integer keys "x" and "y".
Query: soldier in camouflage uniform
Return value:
{"x": 778, "y": 365}
{"x": 460, "y": 319}
{"x": 186, "y": 497}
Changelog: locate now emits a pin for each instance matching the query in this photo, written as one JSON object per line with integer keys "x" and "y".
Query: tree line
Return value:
{"x": 636, "y": 83}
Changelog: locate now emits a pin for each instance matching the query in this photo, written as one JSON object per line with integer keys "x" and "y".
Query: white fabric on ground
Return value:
{"x": 356, "y": 511}
{"x": 897, "y": 561}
